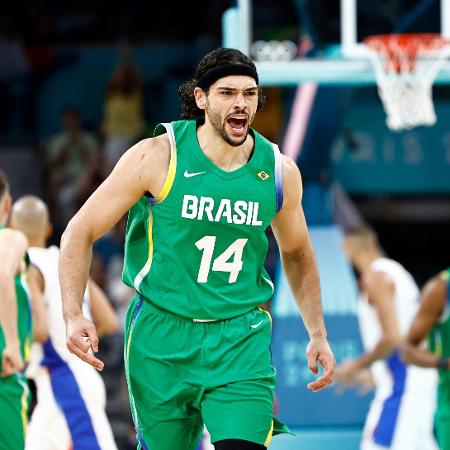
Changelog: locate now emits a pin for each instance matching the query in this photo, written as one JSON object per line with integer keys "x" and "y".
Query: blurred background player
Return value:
{"x": 401, "y": 414}
{"x": 70, "y": 411}
{"x": 16, "y": 326}
{"x": 73, "y": 159}
{"x": 123, "y": 122}
{"x": 433, "y": 320}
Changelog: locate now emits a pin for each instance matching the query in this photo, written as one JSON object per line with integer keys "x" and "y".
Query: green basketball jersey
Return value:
{"x": 439, "y": 339}
{"x": 198, "y": 248}
{"x": 24, "y": 322}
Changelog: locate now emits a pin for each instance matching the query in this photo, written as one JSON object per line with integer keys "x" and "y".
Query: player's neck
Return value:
{"x": 222, "y": 154}
{"x": 3, "y": 218}
{"x": 36, "y": 242}
{"x": 365, "y": 260}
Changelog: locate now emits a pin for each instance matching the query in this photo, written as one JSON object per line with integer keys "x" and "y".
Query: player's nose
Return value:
{"x": 240, "y": 100}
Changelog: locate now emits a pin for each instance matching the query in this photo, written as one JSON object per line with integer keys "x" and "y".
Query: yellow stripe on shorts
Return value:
{"x": 24, "y": 403}
{"x": 269, "y": 435}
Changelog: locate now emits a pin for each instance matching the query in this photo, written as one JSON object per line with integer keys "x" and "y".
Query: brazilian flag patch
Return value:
{"x": 263, "y": 175}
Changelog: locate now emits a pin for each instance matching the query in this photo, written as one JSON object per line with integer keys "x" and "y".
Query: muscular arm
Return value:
{"x": 381, "y": 291}
{"x": 13, "y": 245}
{"x": 297, "y": 257}
{"x": 432, "y": 304}
{"x": 105, "y": 319}
{"x": 143, "y": 168}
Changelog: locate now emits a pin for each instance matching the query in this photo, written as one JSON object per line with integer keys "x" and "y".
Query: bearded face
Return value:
{"x": 231, "y": 106}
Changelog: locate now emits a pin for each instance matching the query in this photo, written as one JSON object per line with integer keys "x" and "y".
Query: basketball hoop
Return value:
{"x": 406, "y": 66}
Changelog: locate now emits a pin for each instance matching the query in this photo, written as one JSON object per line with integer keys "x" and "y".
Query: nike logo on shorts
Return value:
{"x": 192, "y": 174}
{"x": 256, "y": 325}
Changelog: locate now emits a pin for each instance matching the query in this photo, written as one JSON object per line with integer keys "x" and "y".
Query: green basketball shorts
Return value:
{"x": 14, "y": 403}
{"x": 183, "y": 374}
{"x": 442, "y": 416}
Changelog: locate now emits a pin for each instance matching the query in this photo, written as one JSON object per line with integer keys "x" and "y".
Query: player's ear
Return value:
{"x": 49, "y": 230}
{"x": 7, "y": 203}
{"x": 200, "y": 98}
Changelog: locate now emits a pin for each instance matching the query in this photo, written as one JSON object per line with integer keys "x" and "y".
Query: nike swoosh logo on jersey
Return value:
{"x": 192, "y": 174}
{"x": 256, "y": 325}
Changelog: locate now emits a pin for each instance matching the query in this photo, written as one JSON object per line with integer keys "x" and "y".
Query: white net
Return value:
{"x": 405, "y": 69}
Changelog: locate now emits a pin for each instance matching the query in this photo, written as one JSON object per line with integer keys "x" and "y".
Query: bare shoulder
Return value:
{"x": 13, "y": 246}
{"x": 435, "y": 290}
{"x": 377, "y": 282}
{"x": 13, "y": 239}
{"x": 151, "y": 150}
{"x": 147, "y": 162}
{"x": 292, "y": 183}
{"x": 290, "y": 168}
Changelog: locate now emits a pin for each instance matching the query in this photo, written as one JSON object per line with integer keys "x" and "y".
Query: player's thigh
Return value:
{"x": 161, "y": 366}
{"x": 182, "y": 434}
{"x": 14, "y": 402}
{"x": 240, "y": 410}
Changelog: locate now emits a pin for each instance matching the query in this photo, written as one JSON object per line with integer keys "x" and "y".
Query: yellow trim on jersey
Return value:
{"x": 268, "y": 314}
{"x": 445, "y": 275}
{"x": 269, "y": 435}
{"x": 146, "y": 269}
{"x": 170, "y": 176}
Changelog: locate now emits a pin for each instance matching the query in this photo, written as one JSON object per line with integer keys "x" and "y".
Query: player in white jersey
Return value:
{"x": 70, "y": 411}
{"x": 401, "y": 414}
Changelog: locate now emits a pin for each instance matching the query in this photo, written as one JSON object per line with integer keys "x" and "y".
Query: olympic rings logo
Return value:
{"x": 273, "y": 50}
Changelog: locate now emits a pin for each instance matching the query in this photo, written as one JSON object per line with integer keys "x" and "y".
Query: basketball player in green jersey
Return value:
{"x": 433, "y": 320}
{"x": 200, "y": 196}
{"x": 16, "y": 333}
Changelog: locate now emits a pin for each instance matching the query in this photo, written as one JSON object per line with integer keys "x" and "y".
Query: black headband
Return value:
{"x": 225, "y": 70}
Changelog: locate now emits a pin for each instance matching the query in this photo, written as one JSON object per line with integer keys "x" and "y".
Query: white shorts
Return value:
{"x": 405, "y": 426}
{"x": 70, "y": 412}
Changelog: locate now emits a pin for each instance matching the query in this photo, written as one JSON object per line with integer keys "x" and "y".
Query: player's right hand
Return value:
{"x": 81, "y": 337}
{"x": 12, "y": 361}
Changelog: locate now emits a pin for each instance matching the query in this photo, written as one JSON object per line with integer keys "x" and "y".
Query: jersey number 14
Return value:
{"x": 222, "y": 263}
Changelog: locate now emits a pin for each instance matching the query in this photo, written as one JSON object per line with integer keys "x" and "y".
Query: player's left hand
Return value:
{"x": 347, "y": 372}
{"x": 319, "y": 351}
{"x": 12, "y": 361}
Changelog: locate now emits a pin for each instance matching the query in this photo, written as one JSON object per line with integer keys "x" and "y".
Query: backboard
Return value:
{"x": 340, "y": 59}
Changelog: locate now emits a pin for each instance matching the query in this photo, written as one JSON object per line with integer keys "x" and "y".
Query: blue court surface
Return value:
{"x": 318, "y": 439}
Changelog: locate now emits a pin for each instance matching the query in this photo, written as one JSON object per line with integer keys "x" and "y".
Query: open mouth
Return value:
{"x": 238, "y": 125}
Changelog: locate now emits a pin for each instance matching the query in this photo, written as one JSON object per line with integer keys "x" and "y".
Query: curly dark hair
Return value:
{"x": 218, "y": 57}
